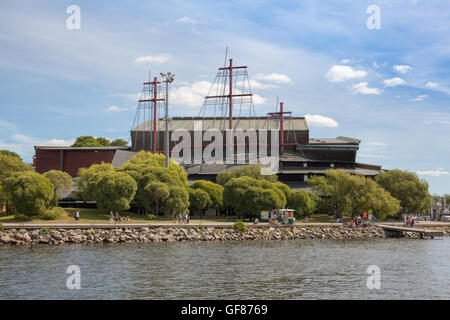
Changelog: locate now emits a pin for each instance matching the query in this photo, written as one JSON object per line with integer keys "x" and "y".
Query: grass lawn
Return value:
{"x": 102, "y": 216}
{"x": 87, "y": 216}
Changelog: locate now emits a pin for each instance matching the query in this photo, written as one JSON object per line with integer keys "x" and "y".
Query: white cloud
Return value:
{"x": 394, "y": 82}
{"x": 346, "y": 61}
{"x": 316, "y": 120}
{"x": 338, "y": 73}
{"x": 115, "y": 109}
{"x": 420, "y": 98}
{"x": 434, "y": 173}
{"x": 191, "y": 95}
{"x": 158, "y": 59}
{"x": 362, "y": 88}
{"x": 255, "y": 85}
{"x": 273, "y": 77}
{"x": 402, "y": 68}
{"x": 58, "y": 142}
{"x": 188, "y": 20}
{"x": 432, "y": 84}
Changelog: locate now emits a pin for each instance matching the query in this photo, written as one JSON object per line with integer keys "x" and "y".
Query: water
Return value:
{"x": 293, "y": 269}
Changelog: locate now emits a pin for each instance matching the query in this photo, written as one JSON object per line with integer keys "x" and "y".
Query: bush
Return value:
{"x": 1, "y": 227}
{"x": 239, "y": 226}
{"x": 53, "y": 214}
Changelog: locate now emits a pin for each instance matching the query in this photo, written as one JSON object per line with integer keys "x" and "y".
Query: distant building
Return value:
{"x": 299, "y": 155}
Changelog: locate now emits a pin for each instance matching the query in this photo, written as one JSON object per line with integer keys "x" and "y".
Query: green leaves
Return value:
{"x": 303, "y": 202}
{"x": 353, "y": 194}
{"x": 114, "y": 190}
{"x": 250, "y": 196}
{"x": 199, "y": 199}
{"x": 252, "y": 170}
{"x": 214, "y": 191}
{"x": 406, "y": 187}
{"x": 90, "y": 141}
{"x": 30, "y": 193}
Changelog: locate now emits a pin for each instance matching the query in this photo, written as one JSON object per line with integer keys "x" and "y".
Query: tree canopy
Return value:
{"x": 199, "y": 199}
{"x": 10, "y": 163}
{"x": 406, "y": 187}
{"x": 214, "y": 191}
{"x": 303, "y": 202}
{"x": 90, "y": 141}
{"x": 145, "y": 168}
{"x": 114, "y": 190}
{"x": 157, "y": 193}
{"x": 61, "y": 181}
{"x": 354, "y": 194}
{"x": 30, "y": 193}
{"x": 251, "y": 170}
{"x": 250, "y": 196}
{"x": 84, "y": 187}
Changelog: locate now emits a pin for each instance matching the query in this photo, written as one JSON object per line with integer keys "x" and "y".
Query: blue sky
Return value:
{"x": 388, "y": 87}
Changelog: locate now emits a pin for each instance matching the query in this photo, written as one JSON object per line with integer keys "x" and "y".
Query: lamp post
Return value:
{"x": 167, "y": 78}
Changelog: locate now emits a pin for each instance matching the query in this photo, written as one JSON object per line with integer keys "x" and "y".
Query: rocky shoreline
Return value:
{"x": 124, "y": 234}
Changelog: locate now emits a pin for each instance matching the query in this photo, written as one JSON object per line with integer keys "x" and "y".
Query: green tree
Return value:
{"x": 85, "y": 190}
{"x": 10, "y": 153}
{"x": 118, "y": 143}
{"x": 30, "y": 193}
{"x": 86, "y": 141}
{"x": 249, "y": 196}
{"x": 199, "y": 199}
{"x": 283, "y": 187}
{"x": 157, "y": 193}
{"x": 114, "y": 190}
{"x": 10, "y": 163}
{"x": 178, "y": 200}
{"x": 146, "y": 167}
{"x": 353, "y": 194}
{"x": 214, "y": 191}
{"x": 103, "y": 142}
{"x": 62, "y": 183}
{"x": 252, "y": 170}
{"x": 303, "y": 202}
{"x": 406, "y": 187}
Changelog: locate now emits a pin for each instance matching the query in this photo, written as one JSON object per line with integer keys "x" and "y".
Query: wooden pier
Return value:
{"x": 398, "y": 232}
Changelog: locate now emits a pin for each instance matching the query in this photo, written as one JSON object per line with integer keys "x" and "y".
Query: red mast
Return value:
{"x": 154, "y": 85}
{"x": 230, "y": 95}
{"x": 281, "y": 114}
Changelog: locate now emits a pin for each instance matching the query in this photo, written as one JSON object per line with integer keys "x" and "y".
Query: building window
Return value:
{"x": 305, "y": 177}
{"x": 305, "y": 164}
{"x": 332, "y": 165}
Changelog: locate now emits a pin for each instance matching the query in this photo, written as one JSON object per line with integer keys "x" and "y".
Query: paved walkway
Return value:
{"x": 28, "y": 225}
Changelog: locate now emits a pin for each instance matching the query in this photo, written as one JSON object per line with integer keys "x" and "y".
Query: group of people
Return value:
{"x": 365, "y": 220}
{"x": 181, "y": 218}
{"x": 409, "y": 222}
{"x": 116, "y": 218}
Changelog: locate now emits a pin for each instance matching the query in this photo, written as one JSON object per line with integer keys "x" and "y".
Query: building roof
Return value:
{"x": 122, "y": 156}
{"x": 244, "y": 123}
{"x": 80, "y": 148}
{"x": 334, "y": 141}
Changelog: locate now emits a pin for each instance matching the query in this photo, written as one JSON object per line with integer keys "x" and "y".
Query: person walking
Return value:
{"x": 117, "y": 217}
{"x": 77, "y": 216}
{"x": 111, "y": 217}
{"x": 188, "y": 218}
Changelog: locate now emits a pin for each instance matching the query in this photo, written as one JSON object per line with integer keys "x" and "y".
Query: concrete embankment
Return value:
{"x": 125, "y": 234}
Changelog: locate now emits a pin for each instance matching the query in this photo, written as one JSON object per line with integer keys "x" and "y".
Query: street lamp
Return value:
{"x": 167, "y": 78}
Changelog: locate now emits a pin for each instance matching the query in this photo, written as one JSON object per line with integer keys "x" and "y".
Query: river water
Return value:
{"x": 289, "y": 269}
